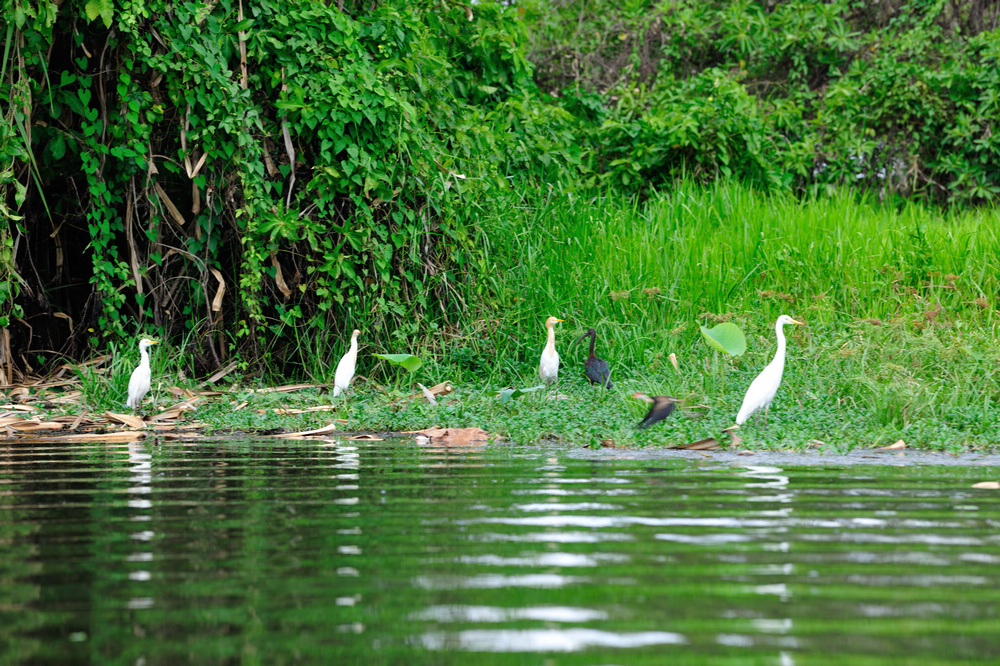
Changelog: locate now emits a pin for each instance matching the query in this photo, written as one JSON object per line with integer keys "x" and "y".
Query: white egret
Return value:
{"x": 138, "y": 383}
{"x": 548, "y": 368}
{"x": 345, "y": 369}
{"x": 765, "y": 386}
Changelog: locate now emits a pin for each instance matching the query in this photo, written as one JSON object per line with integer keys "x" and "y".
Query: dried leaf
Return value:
{"x": 285, "y": 389}
{"x": 366, "y": 438}
{"x": 673, "y": 361}
{"x": 69, "y": 398}
{"x": 279, "y": 279}
{"x": 198, "y": 166}
{"x": 133, "y": 255}
{"x": 81, "y": 417}
{"x": 128, "y": 419}
{"x": 63, "y": 315}
{"x": 31, "y": 425}
{"x": 707, "y": 444}
{"x": 219, "y": 292}
{"x": 219, "y": 374}
{"x": 107, "y": 437}
{"x": 178, "y": 410}
{"x": 457, "y": 436}
{"x": 444, "y": 388}
{"x": 427, "y": 394}
{"x": 175, "y": 214}
{"x": 987, "y": 485}
{"x": 899, "y": 444}
{"x": 325, "y": 430}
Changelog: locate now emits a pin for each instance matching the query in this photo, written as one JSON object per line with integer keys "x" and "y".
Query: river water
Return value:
{"x": 341, "y": 552}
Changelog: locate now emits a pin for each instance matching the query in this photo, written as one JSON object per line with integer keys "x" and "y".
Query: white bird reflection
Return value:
{"x": 460, "y": 613}
{"x": 543, "y": 640}
{"x": 497, "y": 581}
{"x": 771, "y": 475}
{"x": 141, "y": 468}
{"x": 546, "y": 560}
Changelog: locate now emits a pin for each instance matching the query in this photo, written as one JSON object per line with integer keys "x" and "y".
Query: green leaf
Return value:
{"x": 726, "y": 338}
{"x": 410, "y": 362}
{"x": 507, "y": 395}
{"x": 103, "y": 8}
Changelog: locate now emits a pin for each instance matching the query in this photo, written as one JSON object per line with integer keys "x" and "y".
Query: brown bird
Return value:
{"x": 660, "y": 407}
{"x": 596, "y": 369}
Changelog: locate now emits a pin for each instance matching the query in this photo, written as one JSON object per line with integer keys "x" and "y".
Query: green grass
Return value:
{"x": 902, "y": 337}
{"x": 900, "y": 305}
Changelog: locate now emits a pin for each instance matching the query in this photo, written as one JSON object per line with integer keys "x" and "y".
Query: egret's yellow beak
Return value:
{"x": 797, "y": 322}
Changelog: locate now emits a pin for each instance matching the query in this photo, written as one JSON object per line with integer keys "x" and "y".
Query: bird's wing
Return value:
{"x": 761, "y": 392}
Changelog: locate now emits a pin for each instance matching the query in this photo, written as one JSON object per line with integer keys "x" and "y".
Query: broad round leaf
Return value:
{"x": 506, "y": 395}
{"x": 726, "y": 338}
{"x": 408, "y": 361}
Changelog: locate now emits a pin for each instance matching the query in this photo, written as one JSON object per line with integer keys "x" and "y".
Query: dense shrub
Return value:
{"x": 901, "y": 96}
{"x": 257, "y": 177}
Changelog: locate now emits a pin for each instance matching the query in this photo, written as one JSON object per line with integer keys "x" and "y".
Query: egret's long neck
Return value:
{"x": 144, "y": 356}
{"x": 779, "y": 356}
{"x": 354, "y": 343}
{"x": 550, "y": 345}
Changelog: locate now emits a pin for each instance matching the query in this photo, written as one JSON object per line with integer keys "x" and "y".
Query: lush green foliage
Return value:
{"x": 252, "y": 180}
{"x": 901, "y": 305}
{"x": 898, "y": 97}
{"x": 901, "y": 337}
{"x": 257, "y": 177}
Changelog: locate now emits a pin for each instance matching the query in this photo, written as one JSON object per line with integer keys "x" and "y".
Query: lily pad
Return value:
{"x": 410, "y": 362}
{"x": 726, "y": 338}
{"x": 506, "y": 395}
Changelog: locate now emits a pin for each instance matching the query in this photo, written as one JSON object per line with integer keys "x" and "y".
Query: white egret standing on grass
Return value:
{"x": 345, "y": 369}
{"x": 765, "y": 386}
{"x": 138, "y": 383}
{"x": 548, "y": 368}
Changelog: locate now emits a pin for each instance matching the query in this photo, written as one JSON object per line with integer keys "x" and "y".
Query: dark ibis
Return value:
{"x": 597, "y": 369}
{"x": 660, "y": 407}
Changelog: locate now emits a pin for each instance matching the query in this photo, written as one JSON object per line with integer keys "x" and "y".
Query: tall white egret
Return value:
{"x": 548, "y": 368}
{"x": 345, "y": 369}
{"x": 138, "y": 383}
{"x": 765, "y": 386}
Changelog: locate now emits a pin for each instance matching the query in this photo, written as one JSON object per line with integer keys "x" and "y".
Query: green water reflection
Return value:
{"x": 390, "y": 553}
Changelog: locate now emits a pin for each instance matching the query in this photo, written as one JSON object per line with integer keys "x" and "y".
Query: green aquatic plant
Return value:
{"x": 726, "y": 338}
{"x": 508, "y": 395}
{"x": 408, "y": 362}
